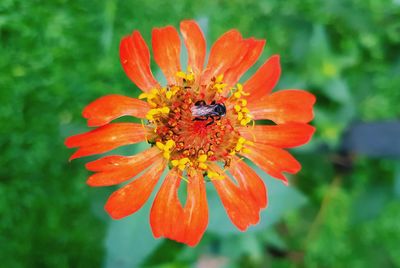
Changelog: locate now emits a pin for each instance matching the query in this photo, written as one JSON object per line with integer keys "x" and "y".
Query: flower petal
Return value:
{"x": 115, "y": 169}
{"x": 130, "y": 198}
{"x": 237, "y": 202}
{"x": 105, "y": 109}
{"x": 106, "y": 138}
{"x": 195, "y": 44}
{"x": 273, "y": 161}
{"x": 225, "y": 53}
{"x": 264, "y": 79}
{"x": 283, "y": 136}
{"x": 249, "y": 181}
{"x": 167, "y": 212}
{"x": 196, "y": 210}
{"x": 135, "y": 59}
{"x": 254, "y": 50}
{"x": 169, "y": 219}
{"x": 167, "y": 48}
{"x": 283, "y": 106}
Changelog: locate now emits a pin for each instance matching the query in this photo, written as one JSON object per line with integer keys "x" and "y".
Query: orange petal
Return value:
{"x": 283, "y": 136}
{"x": 254, "y": 50}
{"x": 225, "y": 53}
{"x": 115, "y": 169}
{"x": 166, "y": 213}
{"x": 283, "y": 106}
{"x": 264, "y": 79}
{"x": 130, "y": 198}
{"x": 237, "y": 202}
{"x": 249, "y": 181}
{"x": 135, "y": 59}
{"x": 169, "y": 219}
{"x": 195, "y": 44}
{"x": 273, "y": 161}
{"x": 167, "y": 48}
{"x": 196, "y": 210}
{"x": 105, "y": 138}
{"x": 105, "y": 109}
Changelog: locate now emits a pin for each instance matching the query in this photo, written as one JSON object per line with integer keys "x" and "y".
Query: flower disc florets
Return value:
{"x": 188, "y": 142}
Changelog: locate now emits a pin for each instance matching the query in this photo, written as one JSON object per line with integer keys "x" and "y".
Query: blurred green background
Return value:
{"x": 341, "y": 210}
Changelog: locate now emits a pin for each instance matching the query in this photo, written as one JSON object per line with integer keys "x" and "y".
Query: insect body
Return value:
{"x": 202, "y": 112}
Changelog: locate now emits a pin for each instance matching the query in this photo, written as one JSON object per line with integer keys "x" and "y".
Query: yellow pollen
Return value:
{"x": 239, "y": 91}
{"x": 240, "y": 146}
{"x": 202, "y": 158}
{"x": 243, "y": 101}
{"x": 181, "y": 163}
{"x": 237, "y": 108}
{"x": 214, "y": 175}
{"x": 189, "y": 76}
{"x": 152, "y": 112}
{"x": 219, "y": 78}
{"x": 166, "y": 148}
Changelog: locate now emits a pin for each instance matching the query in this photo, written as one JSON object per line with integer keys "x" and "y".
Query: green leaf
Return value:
{"x": 129, "y": 241}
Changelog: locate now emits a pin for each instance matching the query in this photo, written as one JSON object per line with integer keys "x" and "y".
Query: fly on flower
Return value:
{"x": 202, "y": 119}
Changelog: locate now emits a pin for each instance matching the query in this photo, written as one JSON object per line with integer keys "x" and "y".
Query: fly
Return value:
{"x": 202, "y": 111}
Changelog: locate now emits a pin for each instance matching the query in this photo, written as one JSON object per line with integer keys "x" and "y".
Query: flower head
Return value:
{"x": 199, "y": 126}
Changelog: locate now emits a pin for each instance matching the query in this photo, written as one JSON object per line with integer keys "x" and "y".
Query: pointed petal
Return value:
{"x": 135, "y": 59}
{"x": 107, "y": 108}
{"x": 264, "y": 79}
{"x": 106, "y": 138}
{"x": 225, "y": 53}
{"x": 237, "y": 203}
{"x": 167, "y": 48}
{"x": 169, "y": 219}
{"x": 283, "y": 136}
{"x": 166, "y": 215}
{"x": 254, "y": 50}
{"x": 196, "y": 210}
{"x": 130, "y": 198}
{"x": 195, "y": 44}
{"x": 115, "y": 169}
{"x": 273, "y": 161}
{"x": 249, "y": 181}
{"x": 283, "y": 106}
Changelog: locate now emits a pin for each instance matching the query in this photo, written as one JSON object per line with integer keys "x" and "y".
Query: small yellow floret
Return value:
{"x": 166, "y": 148}
{"x": 219, "y": 78}
{"x": 239, "y": 91}
{"x": 181, "y": 163}
{"x": 202, "y": 158}
{"x": 152, "y": 112}
{"x": 237, "y": 108}
{"x": 240, "y": 146}
{"x": 214, "y": 175}
{"x": 189, "y": 76}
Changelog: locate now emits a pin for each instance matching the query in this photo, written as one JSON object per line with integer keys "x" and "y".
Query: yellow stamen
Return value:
{"x": 202, "y": 166}
{"x": 237, "y": 108}
{"x": 202, "y": 158}
{"x": 166, "y": 148}
{"x": 189, "y": 76}
{"x": 214, "y": 175}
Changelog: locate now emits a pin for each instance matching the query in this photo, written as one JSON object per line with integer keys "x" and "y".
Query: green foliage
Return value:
{"x": 57, "y": 56}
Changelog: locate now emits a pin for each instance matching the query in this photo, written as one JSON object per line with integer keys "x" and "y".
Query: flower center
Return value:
{"x": 194, "y": 124}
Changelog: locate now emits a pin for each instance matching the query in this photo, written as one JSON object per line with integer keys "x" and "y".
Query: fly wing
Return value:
{"x": 201, "y": 110}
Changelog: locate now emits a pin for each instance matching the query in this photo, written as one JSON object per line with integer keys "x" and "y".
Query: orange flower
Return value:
{"x": 202, "y": 119}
